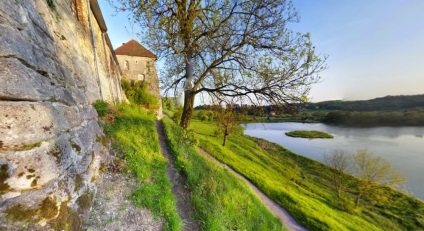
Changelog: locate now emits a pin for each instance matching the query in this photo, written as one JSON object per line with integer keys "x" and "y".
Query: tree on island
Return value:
{"x": 228, "y": 48}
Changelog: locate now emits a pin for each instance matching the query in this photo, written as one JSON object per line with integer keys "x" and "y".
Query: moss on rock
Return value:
{"x": 4, "y": 175}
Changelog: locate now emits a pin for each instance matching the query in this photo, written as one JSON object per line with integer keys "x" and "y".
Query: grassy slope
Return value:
{"x": 133, "y": 133}
{"x": 222, "y": 201}
{"x": 301, "y": 186}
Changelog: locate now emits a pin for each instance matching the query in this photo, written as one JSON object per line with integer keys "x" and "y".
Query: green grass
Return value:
{"x": 101, "y": 107}
{"x": 309, "y": 134}
{"x": 302, "y": 186}
{"x": 221, "y": 200}
{"x": 133, "y": 133}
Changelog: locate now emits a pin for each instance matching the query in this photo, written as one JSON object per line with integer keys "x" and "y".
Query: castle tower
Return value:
{"x": 139, "y": 64}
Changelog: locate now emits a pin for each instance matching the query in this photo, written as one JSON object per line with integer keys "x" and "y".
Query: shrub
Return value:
{"x": 101, "y": 107}
{"x": 211, "y": 115}
{"x": 177, "y": 115}
{"x": 137, "y": 93}
{"x": 204, "y": 117}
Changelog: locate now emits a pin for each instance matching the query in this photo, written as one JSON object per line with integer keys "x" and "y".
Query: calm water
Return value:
{"x": 403, "y": 147}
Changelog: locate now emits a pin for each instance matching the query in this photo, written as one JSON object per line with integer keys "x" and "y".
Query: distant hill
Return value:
{"x": 387, "y": 103}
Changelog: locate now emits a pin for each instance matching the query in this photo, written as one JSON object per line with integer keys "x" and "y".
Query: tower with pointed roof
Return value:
{"x": 139, "y": 64}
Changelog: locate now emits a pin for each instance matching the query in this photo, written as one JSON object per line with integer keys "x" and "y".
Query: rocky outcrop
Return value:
{"x": 51, "y": 146}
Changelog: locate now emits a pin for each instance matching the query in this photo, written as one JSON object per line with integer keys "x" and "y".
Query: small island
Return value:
{"x": 309, "y": 134}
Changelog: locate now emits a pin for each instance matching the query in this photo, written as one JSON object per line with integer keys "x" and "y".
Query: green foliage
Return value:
{"x": 281, "y": 63}
{"x": 4, "y": 175}
{"x": 168, "y": 103}
{"x": 387, "y": 103}
{"x": 204, "y": 115}
{"x": 385, "y": 111}
{"x": 222, "y": 201}
{"x": 226, "y": 123}
{"x": 303, "y": 186}
{"x": 309, "y": 134}
{"x": 134, "y": 134}
{"x": 189, "y": 137}
{"x": 373, "y": 171}
{"x": 341, "y": 163}
{"x": 176, "y": 117}
{"x": 51, "y": 4}
{"x": 138, "y": 93}
{"x": 376, "y": 118}
{"x": 204, "y": 118}
{"x": 101, "y": 107}
{"x": 211, "y": 115}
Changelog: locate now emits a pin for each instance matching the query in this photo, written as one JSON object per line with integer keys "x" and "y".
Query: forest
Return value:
{"x": 387, "y": 103}
{"x": 385, "y": 111}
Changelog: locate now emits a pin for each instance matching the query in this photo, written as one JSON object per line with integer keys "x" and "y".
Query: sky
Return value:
{"x": 375, "y": 48}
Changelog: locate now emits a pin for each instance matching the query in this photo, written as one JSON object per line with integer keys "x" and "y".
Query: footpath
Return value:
{"x": 276, "y": 209}
{"x": 183, "y": 195}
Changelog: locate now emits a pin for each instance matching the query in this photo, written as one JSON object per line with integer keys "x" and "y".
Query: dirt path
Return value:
{"x": 279, "y": 212}
{"x": 181, "y": 193}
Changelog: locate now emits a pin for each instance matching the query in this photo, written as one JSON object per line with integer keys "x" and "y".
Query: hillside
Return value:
{"x": 302, "y": 186}
{"x": 387, "y": 103}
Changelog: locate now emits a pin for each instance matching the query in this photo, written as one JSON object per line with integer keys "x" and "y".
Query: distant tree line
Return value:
{"x": 387, "y": 103}
{"x": 256, "y": 110}
{"x": 385, "y": 111}
{"x": 376, "y": 118}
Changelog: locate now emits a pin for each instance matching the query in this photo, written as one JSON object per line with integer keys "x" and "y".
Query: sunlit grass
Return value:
{"x": 222, "y": 201}
{"x": 133, "y": 133}
{"x": 302, "y": 186}
{"x": 309, "y": 134}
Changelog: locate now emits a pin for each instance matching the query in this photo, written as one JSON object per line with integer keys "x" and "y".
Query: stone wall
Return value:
{"x": 142, "y": 69}
{"x": 51, "y": 146}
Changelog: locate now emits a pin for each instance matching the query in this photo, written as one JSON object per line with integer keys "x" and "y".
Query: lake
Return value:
{"x": 402, "y": 147}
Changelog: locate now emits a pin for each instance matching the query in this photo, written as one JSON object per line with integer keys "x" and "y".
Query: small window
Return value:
{"x": 127, "y": 65}
{"x": 140, "y": 77}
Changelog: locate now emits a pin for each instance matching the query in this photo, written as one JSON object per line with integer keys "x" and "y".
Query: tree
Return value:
{"x": 373, "y": 172}
{"x": 228, "y": 48}
{"x": 227, "y": 121}
{"x": 341, "y": 163}
{"x": 168, "y": 103}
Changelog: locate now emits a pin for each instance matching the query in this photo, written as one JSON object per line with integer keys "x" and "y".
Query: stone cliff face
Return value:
{"x": 51, "y": 146}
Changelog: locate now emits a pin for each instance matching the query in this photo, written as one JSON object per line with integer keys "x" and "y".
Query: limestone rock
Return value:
{"x": 49, "y": 136}
{"x": 24, "y": 124}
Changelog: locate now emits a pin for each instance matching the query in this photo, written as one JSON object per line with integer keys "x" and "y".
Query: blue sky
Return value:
{"x": 375, "y": 47}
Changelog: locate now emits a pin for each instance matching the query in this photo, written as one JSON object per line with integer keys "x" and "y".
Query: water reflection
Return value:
{"x": 403, "y": 147}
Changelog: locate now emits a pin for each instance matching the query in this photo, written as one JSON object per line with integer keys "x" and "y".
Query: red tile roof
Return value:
{"x": 133, "y": 48}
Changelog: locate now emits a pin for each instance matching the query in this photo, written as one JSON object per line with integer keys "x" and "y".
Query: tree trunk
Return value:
{"x": 358, "y": 198}
{"x": 188, "y": 93}
{"x": 187, "y": 109}
{"x": 225, "y": 138}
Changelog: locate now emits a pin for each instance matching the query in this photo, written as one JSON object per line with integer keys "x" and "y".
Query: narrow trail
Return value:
{"x": 276, "y": 209}
{"x": 182, "y": 194}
